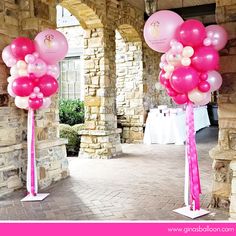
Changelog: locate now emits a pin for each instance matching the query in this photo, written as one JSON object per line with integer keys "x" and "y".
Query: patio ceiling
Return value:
{"x": 168, "y": 4}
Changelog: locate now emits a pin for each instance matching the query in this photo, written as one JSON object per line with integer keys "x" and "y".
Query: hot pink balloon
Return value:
{"x": 8, "y": 57}
{"x": 171, "y": 92}
{"x": 160, "y": 29}
{"x": 184, "y": 79}
{"x": 22, "y": 86}
{"x": 205, "y": 58}
{"x": 35, "y": 103}
{"x": 38, "y": 67}
{"x": 180, "y": 99}
{"x": 51, "y": 45}
{"x": 48, "y": 85}
{"x": 22, "y": 46}
{"x": 219, "y": 36}
{"x": 204, "y": 86}
{"x": 191, "y": 33}
{"x": 214, "y": 79}
{"x": 203, "y": 76}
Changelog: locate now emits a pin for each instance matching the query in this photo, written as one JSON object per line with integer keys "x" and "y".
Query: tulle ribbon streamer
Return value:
{"x": 32, "y": 186}
{"x": 195, "y": 187}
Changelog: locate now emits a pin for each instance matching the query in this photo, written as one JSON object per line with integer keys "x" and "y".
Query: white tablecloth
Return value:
{"x": 172, "y": 129}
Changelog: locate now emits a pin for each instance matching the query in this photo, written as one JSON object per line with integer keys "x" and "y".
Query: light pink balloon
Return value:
{"x": 160, "y": 29}
{"x": 219, "y": 36}
{"x": 46, "y": 103}
{"x": 214, "y": 79}
{"x": 196, "y": 96}
{"x": 30, "y": 58}
{"x": 9, "y": 90}
{"x": 205, "y": 100}
{"x": 38, "y": 68}
{"x": 51, "y": 45}
{"x": 53, "y": 70}
{"x": 8, "y": 57}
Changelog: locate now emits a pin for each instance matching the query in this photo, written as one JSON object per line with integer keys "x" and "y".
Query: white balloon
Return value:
{"x": 22, "y": 72}
{"x": 188, "y": 51}
{"x": 186, "y": 61}
{"x": 22, "y": 102}
{"x": 14, "y": 71}
{"x": 10, "y": 79}
{"x": 21, "y": 64}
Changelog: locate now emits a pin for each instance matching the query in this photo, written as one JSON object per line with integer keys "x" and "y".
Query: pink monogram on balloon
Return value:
{"x": 33, "y": 77}
{"x": 188, "y": 72}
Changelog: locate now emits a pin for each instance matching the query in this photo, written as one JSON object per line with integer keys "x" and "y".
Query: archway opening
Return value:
{"x": 129, "y": 84}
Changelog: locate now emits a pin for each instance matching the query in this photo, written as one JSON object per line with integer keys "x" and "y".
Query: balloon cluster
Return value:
{"x": 191, "y": 60}
{"x": 34, "y": 68}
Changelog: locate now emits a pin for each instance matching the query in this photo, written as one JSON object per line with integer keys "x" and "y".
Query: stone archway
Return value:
{"x": 129, "y": 83}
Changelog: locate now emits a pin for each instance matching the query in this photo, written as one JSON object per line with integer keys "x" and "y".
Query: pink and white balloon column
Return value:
{"x": 188, "y": 70}
{"x": 33, "y": 77}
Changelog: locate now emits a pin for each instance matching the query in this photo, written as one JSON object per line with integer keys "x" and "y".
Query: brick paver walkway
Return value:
{"x": 145, "y": 183}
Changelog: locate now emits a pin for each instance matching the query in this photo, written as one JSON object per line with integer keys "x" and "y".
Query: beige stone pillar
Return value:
{"x": 100, "y": 139}
{"x": 225, "y": 152}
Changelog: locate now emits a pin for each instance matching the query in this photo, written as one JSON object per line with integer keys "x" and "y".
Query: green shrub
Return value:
{"x": 71, "y": 112}
{"x": 67, "y": 131}
{"x": 78, "y": 127}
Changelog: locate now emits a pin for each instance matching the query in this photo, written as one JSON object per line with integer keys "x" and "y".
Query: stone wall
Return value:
{"x": 224, "y": 153}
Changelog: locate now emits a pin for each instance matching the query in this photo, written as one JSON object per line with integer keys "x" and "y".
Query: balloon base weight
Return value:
{"x": 38, "y": 197}
{"x": 191, "y": 214}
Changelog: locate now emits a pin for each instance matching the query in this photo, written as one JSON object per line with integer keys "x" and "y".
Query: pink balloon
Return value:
{"x": 51, "y": 45}
{"x": 35, "y": 103}
{"x": 160, "y": 29}
{"x": 214, "y": 79}
{"x": 219, "y": 36}
{"x": 191, "y": 33}
{"x": 204, "y": 86}
{"x": 180, "y": 99}
{"x": 22, "y": 86}
{"x": 48, "y": 85}
{"x": 171, "y": 92}
{"x": 8, "y": 57}
{"x": 53, "y": 70}
{"x": 162, "y": 77}
{"x": 205, "y": 58}
{"x": 184, "y": 79}
{"x": 22, "y": 46}
{"x": 38, "y": 68}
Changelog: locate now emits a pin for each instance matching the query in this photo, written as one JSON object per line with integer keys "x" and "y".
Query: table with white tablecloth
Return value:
{"x": 171, "y": 128}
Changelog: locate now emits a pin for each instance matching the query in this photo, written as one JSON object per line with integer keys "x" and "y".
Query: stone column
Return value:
{"x": 12, "y": 128}
{"x": 51, "y": 159}
{"x": 129, "y": 84}
{"x": 225, "y": 152}
{"x": 100, "y": 139}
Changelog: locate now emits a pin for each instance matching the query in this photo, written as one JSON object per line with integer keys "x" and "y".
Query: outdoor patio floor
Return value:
{"x": 145, "y": 183}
